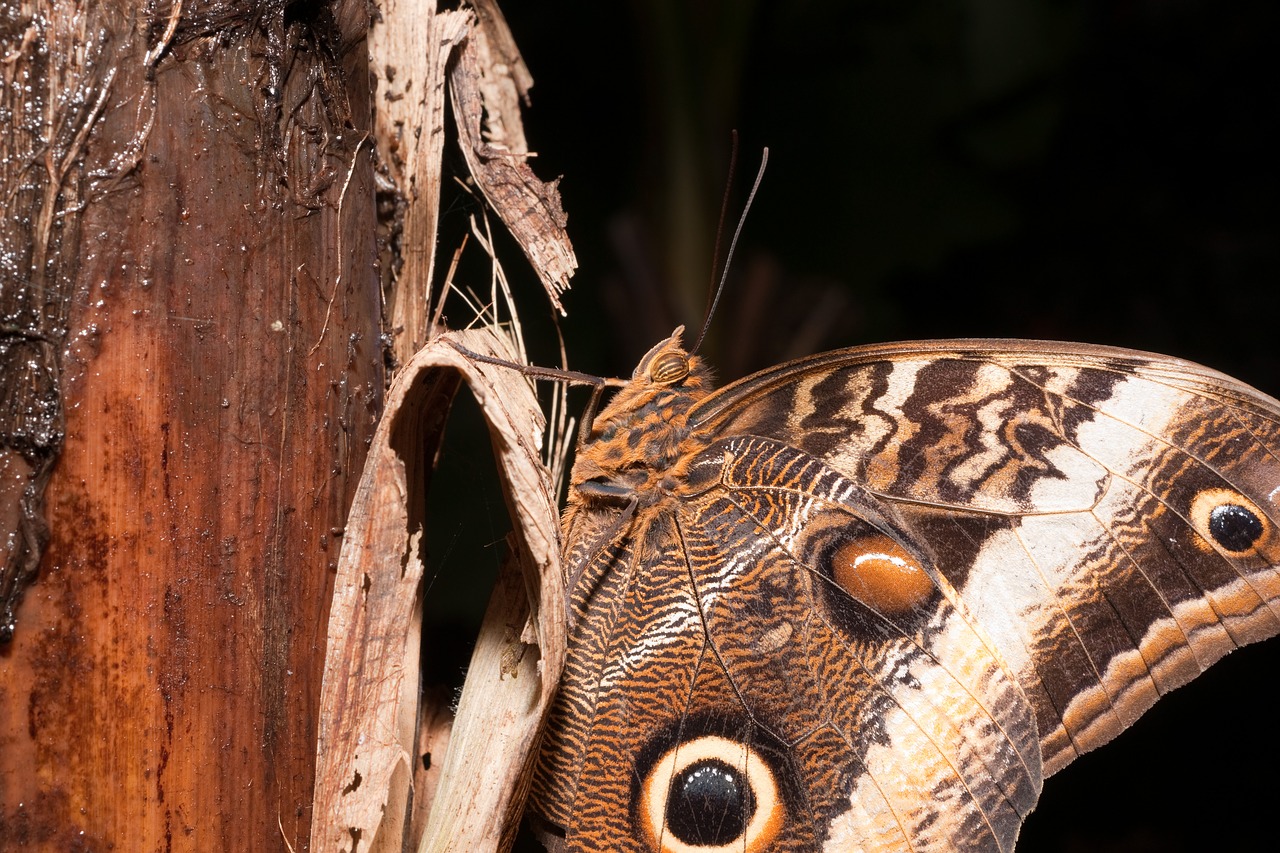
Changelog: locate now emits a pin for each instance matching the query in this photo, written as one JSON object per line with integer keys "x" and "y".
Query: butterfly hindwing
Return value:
{"x": 867, "y": 600}
{"x": 859, "y": 649}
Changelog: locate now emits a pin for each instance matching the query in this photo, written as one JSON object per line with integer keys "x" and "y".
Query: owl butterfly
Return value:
{"x": 870, "y": 599}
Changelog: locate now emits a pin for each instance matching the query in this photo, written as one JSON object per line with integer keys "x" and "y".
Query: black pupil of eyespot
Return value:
{"x": 1234, "y": 527}
{"x": 709, "y": 804}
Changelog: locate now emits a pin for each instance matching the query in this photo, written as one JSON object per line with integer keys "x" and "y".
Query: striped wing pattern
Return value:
{"x": 868, "y": 600}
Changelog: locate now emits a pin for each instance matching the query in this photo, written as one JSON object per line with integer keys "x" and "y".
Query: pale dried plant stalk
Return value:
{"x": 410, "y": 45}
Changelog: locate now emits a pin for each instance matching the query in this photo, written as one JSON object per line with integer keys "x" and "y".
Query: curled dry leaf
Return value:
{"x": 486, "y": 103}
{"x": 361, "y": 756}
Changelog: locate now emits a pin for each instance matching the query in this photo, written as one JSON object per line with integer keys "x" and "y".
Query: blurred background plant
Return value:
{"x": 1098, "y": 171}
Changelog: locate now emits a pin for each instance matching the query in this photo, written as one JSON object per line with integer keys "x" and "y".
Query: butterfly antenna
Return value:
{"x": 733, "y": 244}
{"x": 724, "y": 213}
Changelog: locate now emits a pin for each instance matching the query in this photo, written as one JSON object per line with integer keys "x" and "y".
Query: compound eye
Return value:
{"x": 711, "y": 795}
{"x": 669, "y": 368}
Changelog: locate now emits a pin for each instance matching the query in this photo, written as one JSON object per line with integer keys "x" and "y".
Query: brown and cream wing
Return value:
{"x": 1107, "y": 517}
{"x": 750, "y": 635}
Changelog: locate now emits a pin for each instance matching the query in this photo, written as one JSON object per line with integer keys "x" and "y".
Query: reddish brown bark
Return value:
{"x": 221, "y": 375}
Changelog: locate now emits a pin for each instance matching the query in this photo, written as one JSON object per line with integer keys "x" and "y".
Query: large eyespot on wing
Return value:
{"x": 1228, "y": 520}
{"x": 710, "y": 794}
{"x": 881, "y": 574}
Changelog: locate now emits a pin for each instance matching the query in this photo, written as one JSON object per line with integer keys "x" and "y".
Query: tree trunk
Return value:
{"x": 191, "y": 296}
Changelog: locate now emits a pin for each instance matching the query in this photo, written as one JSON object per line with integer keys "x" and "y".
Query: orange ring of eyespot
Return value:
{"x": 1202, "y": 507}
{"x": 881, "y": 574}
{"x": 764, "y": 824}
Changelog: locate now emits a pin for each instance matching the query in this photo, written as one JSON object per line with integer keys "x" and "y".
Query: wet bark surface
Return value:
{"x": 197, "y": 304}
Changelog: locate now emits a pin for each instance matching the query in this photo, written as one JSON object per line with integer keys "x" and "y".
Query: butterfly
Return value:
{"x": 868, "y": 600}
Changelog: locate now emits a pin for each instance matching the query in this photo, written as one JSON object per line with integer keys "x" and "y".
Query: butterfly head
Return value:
{"x": 636, "y": 441}
{"x": 662, "y": 388}
{"x": 668, "y": 364}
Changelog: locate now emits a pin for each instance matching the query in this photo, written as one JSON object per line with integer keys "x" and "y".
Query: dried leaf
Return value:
{"x": 496, "y": 156}
{"x": 361, "y": 750}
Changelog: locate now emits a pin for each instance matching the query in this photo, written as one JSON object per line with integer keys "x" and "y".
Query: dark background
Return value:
{"x": 1087, "y": 171}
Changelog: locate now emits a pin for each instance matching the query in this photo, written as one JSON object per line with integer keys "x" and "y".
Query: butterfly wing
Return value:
{"x": 895, "y": 578}
{"x": 723, "y": 643}
{"x": 1108, "y": 516}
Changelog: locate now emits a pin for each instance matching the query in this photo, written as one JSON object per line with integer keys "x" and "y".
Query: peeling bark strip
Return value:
{"x": 409, "y": 131}
{"x": 508, "y": 687}
{"x": 487, "y": 108}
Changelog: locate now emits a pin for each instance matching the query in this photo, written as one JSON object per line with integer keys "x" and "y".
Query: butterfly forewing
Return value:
{"x": 1099, "y": 472}
{"x": 864, "y": 601}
